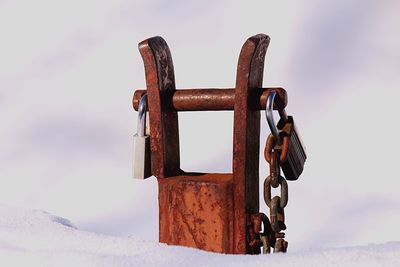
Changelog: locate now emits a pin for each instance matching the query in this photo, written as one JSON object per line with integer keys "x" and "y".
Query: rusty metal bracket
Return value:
{"x": 206, "y": 210}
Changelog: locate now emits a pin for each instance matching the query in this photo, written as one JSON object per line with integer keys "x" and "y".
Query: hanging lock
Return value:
{"x": 287, "y": 139}
{"x": 141, "y": 144}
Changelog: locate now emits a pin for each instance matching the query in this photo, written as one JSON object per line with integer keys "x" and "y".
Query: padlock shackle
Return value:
{"x": 142, "y": 110}
{"x": 270, "y": 116}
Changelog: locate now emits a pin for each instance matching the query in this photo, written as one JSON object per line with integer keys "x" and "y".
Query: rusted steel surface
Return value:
{"x": 160, "y": 83}
{"x": 206, "y": 211}
{"x": 214, "y": 99}
{"x": 246, "y": 137}
{"x": 196, "y": 211}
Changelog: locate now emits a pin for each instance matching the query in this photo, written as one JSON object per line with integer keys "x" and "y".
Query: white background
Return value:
{"x": 68, "y": 70}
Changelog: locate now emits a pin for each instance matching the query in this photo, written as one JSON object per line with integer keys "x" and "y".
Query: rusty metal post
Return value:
{"x": 246, "y": 137}
{"x": 160, "y": 83}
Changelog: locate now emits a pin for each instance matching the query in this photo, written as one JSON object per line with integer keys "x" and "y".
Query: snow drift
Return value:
{"x": 37, "y": 238}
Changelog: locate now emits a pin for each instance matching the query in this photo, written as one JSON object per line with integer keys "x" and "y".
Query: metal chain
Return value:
{"x": 276, "y": 152}
{"x": 272, "y": 235}
{"x": 273, "y": 155}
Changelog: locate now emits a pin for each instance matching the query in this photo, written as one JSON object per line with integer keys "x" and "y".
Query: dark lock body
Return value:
{"x": 293, "y": 166}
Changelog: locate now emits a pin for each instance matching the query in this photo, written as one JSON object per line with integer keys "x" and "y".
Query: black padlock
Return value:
{"x": 287, "y": 140}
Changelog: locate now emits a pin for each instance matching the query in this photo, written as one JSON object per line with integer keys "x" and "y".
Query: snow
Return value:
{"x": 37, "y": 238}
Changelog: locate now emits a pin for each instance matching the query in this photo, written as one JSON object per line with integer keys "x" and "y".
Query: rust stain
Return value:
{"x": 197, "y": 206}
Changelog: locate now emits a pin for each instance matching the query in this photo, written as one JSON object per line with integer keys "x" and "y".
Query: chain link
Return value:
{"x": 272, "y": 145}
{"x": 277, "y": 215}
{"x": 284, "y": 191}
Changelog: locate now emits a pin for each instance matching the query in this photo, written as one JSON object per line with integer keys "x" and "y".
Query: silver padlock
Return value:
{"x": 141, "y": 144}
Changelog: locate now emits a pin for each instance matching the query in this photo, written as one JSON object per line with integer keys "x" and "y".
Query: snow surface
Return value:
{"x": 37, "y": 238}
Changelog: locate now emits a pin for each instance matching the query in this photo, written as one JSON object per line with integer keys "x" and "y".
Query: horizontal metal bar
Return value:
{"x": 212, "y": 99}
